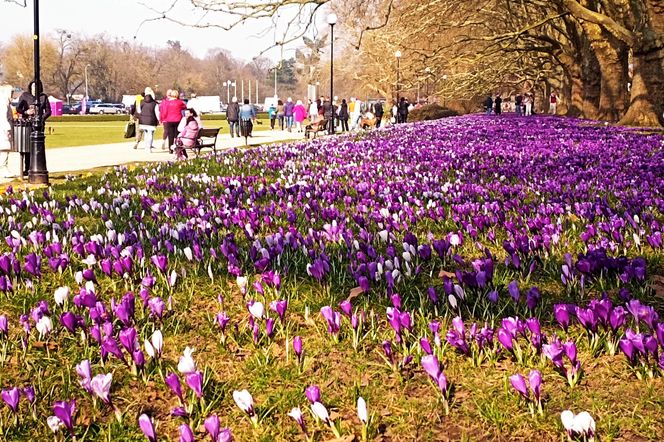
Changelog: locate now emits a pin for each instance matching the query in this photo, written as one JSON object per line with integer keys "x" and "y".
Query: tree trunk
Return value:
{"x": 647, "y": 92}
{"x": 574, "y": 86}
{"x": 612, "y": 56}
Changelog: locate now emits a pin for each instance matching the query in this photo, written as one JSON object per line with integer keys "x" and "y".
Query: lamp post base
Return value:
{"x": 38, "y": 173}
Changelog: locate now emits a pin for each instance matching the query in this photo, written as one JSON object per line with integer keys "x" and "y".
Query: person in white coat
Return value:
{"x": 6, "y": 122}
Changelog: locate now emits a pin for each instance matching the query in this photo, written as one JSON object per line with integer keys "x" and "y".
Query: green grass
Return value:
{"x": 71, "y": 134}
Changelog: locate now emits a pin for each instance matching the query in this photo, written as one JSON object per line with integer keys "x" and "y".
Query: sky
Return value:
{"x": 123, "y": 18}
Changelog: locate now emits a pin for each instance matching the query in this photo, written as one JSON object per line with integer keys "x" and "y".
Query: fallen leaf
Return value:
{"x": 354, "y": 293}
{"x": 446, "y": 273}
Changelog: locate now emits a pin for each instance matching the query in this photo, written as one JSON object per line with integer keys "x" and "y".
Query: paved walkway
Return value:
{"x": 69, "y": 159}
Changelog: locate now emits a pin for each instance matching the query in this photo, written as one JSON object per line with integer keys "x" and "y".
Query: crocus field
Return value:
{"x": 474, "y": 278}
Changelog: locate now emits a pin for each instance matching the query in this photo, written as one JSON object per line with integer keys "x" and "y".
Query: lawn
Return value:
{"x": 466, "y": 279}
{"x": 70, "y": 134}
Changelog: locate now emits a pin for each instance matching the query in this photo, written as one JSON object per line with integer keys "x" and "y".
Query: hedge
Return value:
{"x": 124, "y": 117}
{"x": 431, "y": 112}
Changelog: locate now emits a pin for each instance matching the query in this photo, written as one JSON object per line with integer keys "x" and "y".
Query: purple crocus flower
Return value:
{"x": 535, "y": 380}
{"x": 279, "y": 307}
{"x": 65, "y": 411}
{"x": 313, "y": 393}
{"x": 146, "y": 426}
{"x": 101, "y": 386}
{"x": 160, "y": 261}
{"x": 561, "y": 313}
{"x": 29, "y": 393}
{"x": 269, "y": 327}
{"x": 84, "y": 372}
{"x": 69, "y": 321}
{"x": 4, "y": 327}
{"x": 156, "y": 306}
{"x": 173, "y": 382}
{"x": 11, "y": 398}
{"x": 212, "y": 426}
{"x": 617, "y": 318}
{"x": 519, "y": 384}
{"x": 195, "y": 382}
{"x": 425, "y": 345}
{"x": 505, "y": 338}
{"x": 513, "y": 289}
{"x": 346, "y": 307}
{"x": 128, "y": 339}
{"x": 431, "y": 366}
{"x": 186, "y": 435}
{"x": 433, "y": 296}
{"x": 333, "y": 319}
{"x": 396, "y": 301}
{"x": 297, "y": 346}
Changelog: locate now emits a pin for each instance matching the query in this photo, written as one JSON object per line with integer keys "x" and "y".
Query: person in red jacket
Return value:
{"x": 171, "y": 114}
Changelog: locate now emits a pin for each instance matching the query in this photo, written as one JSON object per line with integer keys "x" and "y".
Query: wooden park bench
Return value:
{"x": 206, "y": 138}
{"x": 318, "y": 126}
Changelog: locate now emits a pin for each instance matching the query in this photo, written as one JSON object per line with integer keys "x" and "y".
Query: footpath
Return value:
{"x": 72, "y": 159}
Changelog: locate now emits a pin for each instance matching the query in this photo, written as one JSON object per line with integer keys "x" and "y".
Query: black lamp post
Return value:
{"x": 38, "y": 174}
{"x": 332, "y": 20}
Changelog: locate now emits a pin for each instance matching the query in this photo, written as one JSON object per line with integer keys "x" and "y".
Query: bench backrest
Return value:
{"x": 208, "y": 132}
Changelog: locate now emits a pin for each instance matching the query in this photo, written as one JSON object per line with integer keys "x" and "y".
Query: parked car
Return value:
{"x": 105, "y": 108}
{"x": 71, "y": 109}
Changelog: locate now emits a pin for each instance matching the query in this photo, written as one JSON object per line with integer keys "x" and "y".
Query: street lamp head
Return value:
{"x": 332, "y": 19}
{"x": 445, "y": 77}
{"x": 427, "y": 70}
{"x": 397, "y": 54}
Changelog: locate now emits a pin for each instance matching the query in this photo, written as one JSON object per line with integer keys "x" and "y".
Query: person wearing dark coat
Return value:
{"x": 498, "y": 105}
{"x": 488, "y": 105}
{"x": 402, "y": 110}
{"x": 328, "y": 113}
{"x": 148, "y": 119}
{"x": 27, "y": 109}
{"x": 233, "y": 117}
{"x": 343, "y": 115}
{"x": 378, "y": 112}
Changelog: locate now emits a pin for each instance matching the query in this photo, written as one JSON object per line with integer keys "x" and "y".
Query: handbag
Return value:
{"x": 130, "y": 129}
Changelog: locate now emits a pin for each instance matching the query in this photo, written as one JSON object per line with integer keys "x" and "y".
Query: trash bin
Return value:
{"x": 21, "y": 139}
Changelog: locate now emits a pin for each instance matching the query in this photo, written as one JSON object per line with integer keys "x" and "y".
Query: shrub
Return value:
{"x": 431, "y": 112}
{"x": 125, "y": 117}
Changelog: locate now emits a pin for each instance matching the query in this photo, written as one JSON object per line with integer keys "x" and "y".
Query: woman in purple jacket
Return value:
{"x": 289, "y": 107}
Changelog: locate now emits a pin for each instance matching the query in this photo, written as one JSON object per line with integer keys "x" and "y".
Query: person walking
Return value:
{"x": 280, "y": 114}
{"x": 356, "y": 114}
{"x": 247, "y": 117}
{"x": 328, "y": 114}
{"x": 288, "y": 113}
{"x": 313, "y": 111}
{"x": 343, "y": 115}
{"x": 6, "y": 129}
{"x": 379, "y": 112}
{"x": 272, "y": 114}
{"x": 498, "y": 105}
{"x": 162, "y": 107}
{"x": 135, "y": 110}
{"x": 403, "y": 108}
{"x": 518, "y": 103}
{"x": 28, "y": 107}
{"x": 553, "y": 103}
{"x": 488, "y": 105}
{"x": 149, "y": 118}
{"x": 171, "y": 115}
{"x": 528, "y": 104}
{"x": 299, "y": 114}
{"x": 233, "y": 117}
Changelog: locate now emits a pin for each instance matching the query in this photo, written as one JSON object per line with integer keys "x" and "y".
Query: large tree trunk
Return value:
{"x": 612, "y": 55}
{"x": 574, "y": 90}
{"x": 647, "y": 92}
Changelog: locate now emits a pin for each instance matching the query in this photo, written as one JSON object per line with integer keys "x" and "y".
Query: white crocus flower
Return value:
{"x": 320, "y": 412}
{"x": 257, "y": 309}
{"x": 61, "y": 295}
{"x": 362, "y": 410}
{"x": 187, "y": 363}
{"x": 244, "y": 400}
{"x": 44, "y": 326}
